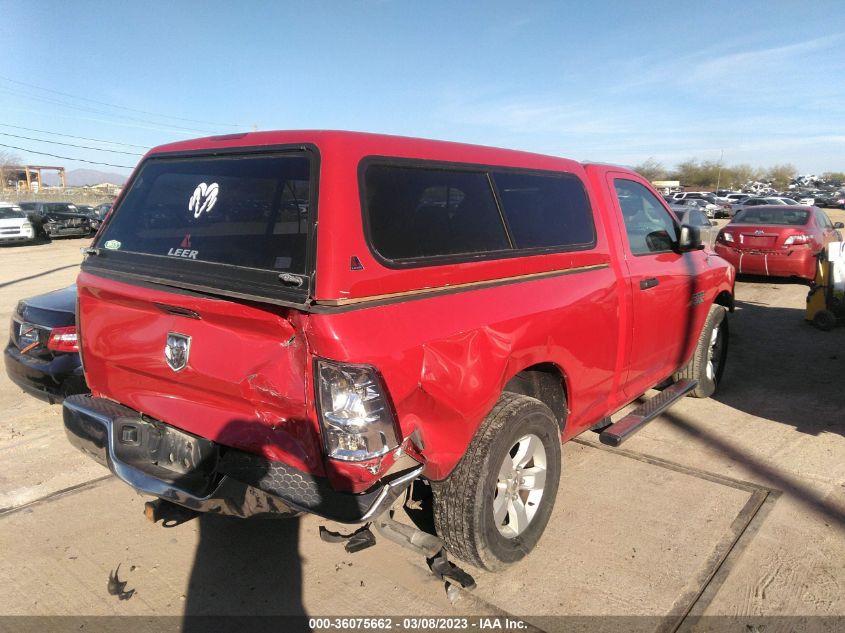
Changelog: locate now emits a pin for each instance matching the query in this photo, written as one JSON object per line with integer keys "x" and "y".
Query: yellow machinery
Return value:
{"x": 826, "y": 299}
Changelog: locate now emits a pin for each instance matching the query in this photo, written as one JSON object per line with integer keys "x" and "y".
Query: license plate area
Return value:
{"x": 166, "y": 453}
{"x": 759, "y": 241}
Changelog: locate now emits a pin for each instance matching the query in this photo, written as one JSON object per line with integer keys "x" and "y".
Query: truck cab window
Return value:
{"x": 649, "y": 226}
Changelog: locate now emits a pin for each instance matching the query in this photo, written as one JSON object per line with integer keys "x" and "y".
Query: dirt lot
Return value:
{"x": 733, "y": 506}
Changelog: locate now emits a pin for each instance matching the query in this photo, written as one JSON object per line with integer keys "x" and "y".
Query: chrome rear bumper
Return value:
{"x": 237, "y": 483}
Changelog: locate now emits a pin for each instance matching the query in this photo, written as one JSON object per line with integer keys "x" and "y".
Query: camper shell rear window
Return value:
{"x": 231, "y": 221}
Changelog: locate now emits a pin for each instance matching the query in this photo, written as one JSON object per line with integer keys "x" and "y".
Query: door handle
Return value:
{"x": 651, "y": 282}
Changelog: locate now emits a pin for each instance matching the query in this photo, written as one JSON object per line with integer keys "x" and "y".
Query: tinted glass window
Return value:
{"x": 545, "y": 210}
{"x": 772, "y": 215}
{"x": 58, "y": 207}
{"x": 417, "y": 212}
{"x": 822, "y": 220}
{"x": 9, "y": 213}
{"x": 649, "y": 226}
{"x": 697, "y": 218}
{"x": 249, "y": 211}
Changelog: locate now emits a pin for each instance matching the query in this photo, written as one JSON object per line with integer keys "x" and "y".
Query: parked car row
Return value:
{"x": 42, "y": 221}
{"x": 829, "y": 199}
{"x": 730, "y": 204}
{"x": 832, "y": 198}
{"x": 715, "y": 206}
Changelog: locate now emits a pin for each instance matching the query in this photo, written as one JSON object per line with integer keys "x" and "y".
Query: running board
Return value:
{"x": 617, "y": 433}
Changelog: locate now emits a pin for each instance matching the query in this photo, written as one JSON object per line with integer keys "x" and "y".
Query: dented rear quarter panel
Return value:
{"x": 446, "y": 359}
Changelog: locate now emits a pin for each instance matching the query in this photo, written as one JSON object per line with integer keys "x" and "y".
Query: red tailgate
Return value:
{"x": 243, "y": 385}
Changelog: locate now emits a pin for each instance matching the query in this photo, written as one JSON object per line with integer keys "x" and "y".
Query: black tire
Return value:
{"x": 39, "y": 233}
{"x": 825, "y": 320}
{"x": 699, "y": 367}
{"x": 464, "y": 501}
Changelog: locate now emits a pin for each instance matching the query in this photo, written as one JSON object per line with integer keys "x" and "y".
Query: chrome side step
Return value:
{"x": 617, "y": 433}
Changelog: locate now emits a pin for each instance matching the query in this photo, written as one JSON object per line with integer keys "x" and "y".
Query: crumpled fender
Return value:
{"x": 459, "y": 371}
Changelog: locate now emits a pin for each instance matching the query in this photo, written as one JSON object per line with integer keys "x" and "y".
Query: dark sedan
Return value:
{"x": 91, "y": 213}
{"x": 102, "y": 210}
{"x": 42, "y": 356}
{"x": 59, "y": 219}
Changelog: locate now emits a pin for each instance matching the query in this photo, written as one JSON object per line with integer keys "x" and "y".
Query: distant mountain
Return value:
{"x": 79, "y": 177}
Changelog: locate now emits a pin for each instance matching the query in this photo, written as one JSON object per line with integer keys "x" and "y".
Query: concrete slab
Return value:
{"x": 613, "y": 547}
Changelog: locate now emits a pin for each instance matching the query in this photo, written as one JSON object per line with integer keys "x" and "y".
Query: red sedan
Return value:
{"x": 777, "y": 241}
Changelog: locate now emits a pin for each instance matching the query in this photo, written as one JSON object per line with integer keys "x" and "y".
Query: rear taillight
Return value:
{"x": 358, "y": 422}
{"x": 63, "y": 339}
{"x": 797, "y": 239}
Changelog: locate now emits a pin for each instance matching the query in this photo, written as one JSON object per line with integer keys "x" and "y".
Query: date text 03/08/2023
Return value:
{"x": 417, "y": 623}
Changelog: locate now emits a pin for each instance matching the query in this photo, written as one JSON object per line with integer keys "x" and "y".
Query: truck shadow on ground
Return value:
{"x": 783, "y": 369}
{"x": 245, "y": 572}
{"x": 773, "y": 476}
{"x": 42, "y": 274}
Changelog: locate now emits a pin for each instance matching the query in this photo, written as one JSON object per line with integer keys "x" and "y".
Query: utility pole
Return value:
{"x": 719, "y": 176}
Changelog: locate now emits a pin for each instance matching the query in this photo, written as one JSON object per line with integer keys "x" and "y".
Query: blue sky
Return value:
{"x": 760, "y": 82}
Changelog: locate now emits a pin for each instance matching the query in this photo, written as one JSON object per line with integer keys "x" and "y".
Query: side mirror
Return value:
{"x": 690, "y": 239}
{"x": 839, "y": 225}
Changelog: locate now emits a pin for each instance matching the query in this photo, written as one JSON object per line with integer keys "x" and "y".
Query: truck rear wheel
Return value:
{"x": 708, "y": 362}
{"x": 494, "y": 506}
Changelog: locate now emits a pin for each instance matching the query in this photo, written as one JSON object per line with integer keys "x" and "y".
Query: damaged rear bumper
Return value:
{"x": 771, "y": 263}
{"x": 160, "y": 460}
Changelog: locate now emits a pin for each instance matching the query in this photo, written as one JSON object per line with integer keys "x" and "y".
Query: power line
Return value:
{"x": 97, "y": 149}
{"x": 85, "y": 108}
{"x": 110, "y": 105}
{"x": 81, "y": 138}
{"x": 67, "y": 115}
{"x": 79, "y": 160}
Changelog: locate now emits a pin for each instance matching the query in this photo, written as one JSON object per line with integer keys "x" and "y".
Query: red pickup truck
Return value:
{"x": 311, "y": 321}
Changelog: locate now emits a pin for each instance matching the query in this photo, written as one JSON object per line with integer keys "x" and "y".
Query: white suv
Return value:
{"x": 14, "y": 225}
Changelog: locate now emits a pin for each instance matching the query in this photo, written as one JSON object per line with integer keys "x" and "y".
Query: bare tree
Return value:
{"x": 834, "y": 177}
{"x": 8, "y": 160}
{"x": 651, "y": 170}
{"x": 781, "y": 175}
{"x": 700, "y": 174}
{"x": 738, "y": 175}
